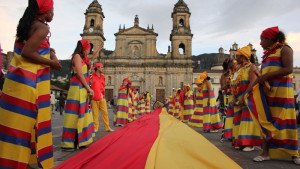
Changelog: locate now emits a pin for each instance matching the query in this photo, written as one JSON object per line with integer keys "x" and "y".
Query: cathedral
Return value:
{"x": 136, "y": 57}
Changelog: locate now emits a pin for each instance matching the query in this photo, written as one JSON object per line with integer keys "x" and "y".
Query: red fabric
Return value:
{"x": 270, "y": 33}
{"x": 1, "y": 74}
{"x": 181, "y": 97}
{"x": 86, "y": 60}
{"x": 98, "y": 86}
{"x": 85, "y": 44}
{"x": 98, "y": 65}
{"x": 127, "y": 147}
{"x": 128, "y": 81}
{"x": 44, "y": 6}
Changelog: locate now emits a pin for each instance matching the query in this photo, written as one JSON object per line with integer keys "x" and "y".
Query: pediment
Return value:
{"x": 136, "y": 31}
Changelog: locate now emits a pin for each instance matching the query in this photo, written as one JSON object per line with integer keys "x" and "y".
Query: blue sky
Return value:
{"x": 214, "y": 23}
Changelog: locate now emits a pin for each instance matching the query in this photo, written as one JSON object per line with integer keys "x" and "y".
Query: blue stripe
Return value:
{"x": 285, "y": 146}
{"x": 249, "y": 137}
{"x": 21, "y": 79}
{"x": 17, "y": 50}
{"x": 45, "y": 130}
{"x": 280, "y": 104}
{"x": 286, "y": 126}
{"x": 69, "y": 140}
{"x": 271, "y": 63}
{"x": 46, "y": 156}
{"x": 18, "y": 109}
{"x": 2, "y": 167}
{"x": 43, "y": 78}
{"x": 281, "y": 84}
{"x": 14, "y": 140}
{"x": 247, "y": 119}
{"x": 44, "y": 104}
{"x": 44, "y": 51}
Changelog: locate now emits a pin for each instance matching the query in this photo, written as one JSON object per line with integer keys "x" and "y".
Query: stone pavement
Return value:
{"x": 244, "y": 159}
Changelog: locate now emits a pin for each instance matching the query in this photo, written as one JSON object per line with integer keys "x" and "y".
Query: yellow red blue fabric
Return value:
{"x": 121, "y": 117}
{"x": 197, "y": 119}
{"x": 78, "y": 120}
{"x": 25, "y": 123}
{"x": 188, "y": 105}
{"x": 245, "y": 132}
{"x": 274, "y": 109}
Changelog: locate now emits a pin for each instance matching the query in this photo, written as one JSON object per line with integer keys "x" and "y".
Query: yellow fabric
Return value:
{"x": 180, "y": 147}
{"x": 245, "y": 51}
{"x": 197, "y": 113}
{"x": 24, "y": 123}
{"x": 100, "y": 105}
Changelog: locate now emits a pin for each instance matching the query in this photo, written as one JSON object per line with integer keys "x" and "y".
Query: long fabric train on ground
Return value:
{"x": 156, "y": 140}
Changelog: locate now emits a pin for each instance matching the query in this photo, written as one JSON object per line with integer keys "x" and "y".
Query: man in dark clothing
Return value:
{"x": 62, "y": 101}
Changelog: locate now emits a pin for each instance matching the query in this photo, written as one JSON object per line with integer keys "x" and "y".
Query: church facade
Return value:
{"x": 136, "y": 57}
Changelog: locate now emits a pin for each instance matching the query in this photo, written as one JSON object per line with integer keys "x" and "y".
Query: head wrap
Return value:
{"x": 85, "y": 44}
{"x": 127, "y": 80}
{"x": 98, "y": 65}
{"x": 187, "y": 85}
{"x": 171, "y": 97}
{"x": 44, "y": 6}
{"x": 270, "y": 33}
{"x": 245, "y": 51}
{"x": 201, "y": 78}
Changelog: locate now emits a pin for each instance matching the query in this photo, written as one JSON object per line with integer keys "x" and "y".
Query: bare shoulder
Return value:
{"x": 287, "y": 50}
{"x": 39, "y": 27}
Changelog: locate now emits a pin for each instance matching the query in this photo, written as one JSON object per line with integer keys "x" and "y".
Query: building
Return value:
{"x": 136, "y": 57}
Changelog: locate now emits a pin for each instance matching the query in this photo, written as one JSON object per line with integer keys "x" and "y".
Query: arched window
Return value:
{"x": 92, "y": 22}
{"x": 181, "y": 49}
{"x": 181, "y": 22}
{"x": 92, "y": 48}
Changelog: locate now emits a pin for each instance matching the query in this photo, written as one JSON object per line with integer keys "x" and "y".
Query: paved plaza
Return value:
{"x": 244, "y": 159}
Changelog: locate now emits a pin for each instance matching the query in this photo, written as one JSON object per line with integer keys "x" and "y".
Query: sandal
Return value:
{"x": 296, "y": 160}
{"x": 261, "y": 158}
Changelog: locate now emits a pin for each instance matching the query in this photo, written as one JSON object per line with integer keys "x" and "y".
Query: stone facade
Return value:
{"x": 136, "y": 57}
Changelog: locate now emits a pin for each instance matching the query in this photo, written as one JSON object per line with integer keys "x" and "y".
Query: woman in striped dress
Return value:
{"x": 177, "y": 104}
{"x": 147, "y": 103}
{"x": 196, "y": 119}
{"x": 171, "y": 106}
{"x": 188, "y": 103}
{"x": 25, "y": 123}
{"x": 78, "y": 127}
{"x": 121, "y": 117}
{"x": 141, "y": 106}
{"x": 280, "y": 129}
{"x": 246, "y": 134}
{"x": 210, "y": 115}
{"x": 226, "y": 86}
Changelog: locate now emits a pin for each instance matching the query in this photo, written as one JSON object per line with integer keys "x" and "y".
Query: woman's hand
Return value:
{"x": 90, "y": 92}
{"x": 208, "y": 102}
{"x": 55, "y": 64}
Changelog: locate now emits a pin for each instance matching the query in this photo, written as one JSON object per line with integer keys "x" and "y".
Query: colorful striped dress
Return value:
{"x": 196, "y": 119}
{"x": 121, "y": 117}
{"x": 211, "y": 117}
{"x": 141, "y": 107}
{"x": 279, "y": 121}
{"x": 135, "y": 106}
{"x": 245, "y": 132}
{"x": 188, "y": 103}
{"x": 177, "y": 107}
{"x": 229, "y": 111}
{"x": 78, "y": 124}
{"x": 25, "y": 118}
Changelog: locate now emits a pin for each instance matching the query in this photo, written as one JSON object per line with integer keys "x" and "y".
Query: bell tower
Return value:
{"x": 93, "y": 28}
{"x": 181, "y": 36}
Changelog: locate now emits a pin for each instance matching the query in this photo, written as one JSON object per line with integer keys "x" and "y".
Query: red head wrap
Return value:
{"x": 270, "y": 33}
{"x": 98, "y": 65}
{"x": 85, "y": 44}
{"x": 128, "y": 81}
{"x": 44, "y": 6}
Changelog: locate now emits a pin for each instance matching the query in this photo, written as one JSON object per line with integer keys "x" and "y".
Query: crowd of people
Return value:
{"x": 260, "y": 109}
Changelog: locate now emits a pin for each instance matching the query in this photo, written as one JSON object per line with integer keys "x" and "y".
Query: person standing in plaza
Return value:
{"x": 121, "y": 117}
{"x": 78, "y": 126}
{"x": 25, "y": 123}
{"x": 210, "y": 114}
{"x": 52, "y": 102}
{"x": 99, "y": 101}
{"x": 188, "y": 103}
{"x": 278, "y": 125}
{"x": 61, "y": 103}
{"x": 246, "y": 134}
